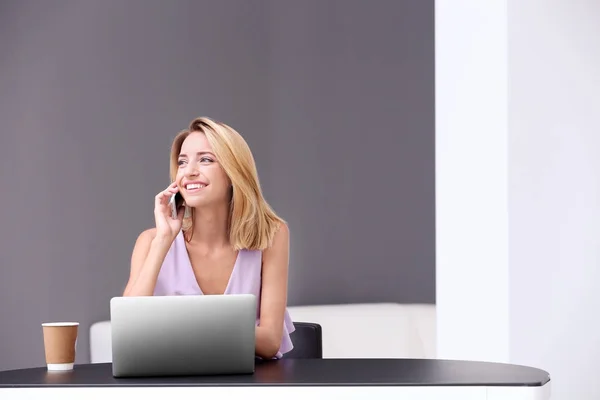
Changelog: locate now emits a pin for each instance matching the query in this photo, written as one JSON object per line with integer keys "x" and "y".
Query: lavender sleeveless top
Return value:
{"x": 176, "y": 278}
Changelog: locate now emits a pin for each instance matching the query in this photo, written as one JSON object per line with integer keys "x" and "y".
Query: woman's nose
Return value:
{"x": 192, "y": 169}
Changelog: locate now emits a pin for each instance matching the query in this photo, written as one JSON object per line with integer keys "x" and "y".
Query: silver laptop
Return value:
{"x": 183, "y": 335}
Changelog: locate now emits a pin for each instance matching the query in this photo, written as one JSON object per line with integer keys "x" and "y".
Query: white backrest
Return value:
{"x": 100, "y": 343}
{"x": 381, "y": 330}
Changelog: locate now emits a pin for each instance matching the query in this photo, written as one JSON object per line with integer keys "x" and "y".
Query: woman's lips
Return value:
{"x": 194, "y": 187}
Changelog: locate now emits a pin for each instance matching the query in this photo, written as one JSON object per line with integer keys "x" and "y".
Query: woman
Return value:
{"x": 226, "y": 239}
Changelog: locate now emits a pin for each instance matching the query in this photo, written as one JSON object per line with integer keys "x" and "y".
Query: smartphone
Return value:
{"x": 176, "y": 202}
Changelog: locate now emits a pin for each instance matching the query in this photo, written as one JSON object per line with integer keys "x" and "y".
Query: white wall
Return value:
{"x": 554, "y": 191}
{"x": 535, "y": 170}
{"x": 471, "y": 180}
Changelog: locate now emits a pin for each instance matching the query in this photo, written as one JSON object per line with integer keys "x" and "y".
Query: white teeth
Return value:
{"x": 194, "y": 186}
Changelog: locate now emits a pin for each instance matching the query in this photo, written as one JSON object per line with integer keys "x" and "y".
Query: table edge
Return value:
{"x": 358, "y": 384}
{"x": 537, "y": 383}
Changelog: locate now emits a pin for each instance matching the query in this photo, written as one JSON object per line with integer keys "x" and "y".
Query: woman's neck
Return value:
{"x": 211, "y": 227}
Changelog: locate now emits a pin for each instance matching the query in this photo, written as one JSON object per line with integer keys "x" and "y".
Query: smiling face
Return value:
{"x": 201, "y": 179}
{"x": 212, "y": 165}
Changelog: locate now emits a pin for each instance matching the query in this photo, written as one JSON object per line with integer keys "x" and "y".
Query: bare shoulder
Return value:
{"x": 139, "y": 254}
{"x": 281, "y": 241}
{"x": 142, "y": 244}
{"x": 147, "y": 235}
{"x": 282, "y": 236}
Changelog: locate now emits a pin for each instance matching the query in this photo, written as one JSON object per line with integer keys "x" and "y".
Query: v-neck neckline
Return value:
{"x": 191, "y": 268}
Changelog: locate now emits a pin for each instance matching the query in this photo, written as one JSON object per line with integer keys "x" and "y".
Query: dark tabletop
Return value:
{"x": 303, "y": 372}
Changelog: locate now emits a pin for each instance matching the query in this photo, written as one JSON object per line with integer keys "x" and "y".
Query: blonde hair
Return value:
{"x": 252, "y": 222}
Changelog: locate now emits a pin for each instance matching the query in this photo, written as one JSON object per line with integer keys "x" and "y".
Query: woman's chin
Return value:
{"x": 195, "y": 203}
{"x": 201, "y": 202}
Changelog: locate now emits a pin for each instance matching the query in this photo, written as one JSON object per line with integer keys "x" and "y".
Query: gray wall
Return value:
{"x": 336, "y": 99}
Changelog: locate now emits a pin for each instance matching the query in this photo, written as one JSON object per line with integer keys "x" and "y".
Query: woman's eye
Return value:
{"x": 206, "y": 159}
{"x": 180, "y": 162}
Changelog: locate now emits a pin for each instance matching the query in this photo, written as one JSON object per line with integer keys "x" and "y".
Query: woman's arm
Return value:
{"x": 273, "y": 295}
{"x": 148, "y": 255}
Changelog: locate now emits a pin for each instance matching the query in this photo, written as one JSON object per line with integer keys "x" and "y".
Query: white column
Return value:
{"x": 471, "y": 180}
{"x": 518, "y": 186}
{"x": 554, "y": 158}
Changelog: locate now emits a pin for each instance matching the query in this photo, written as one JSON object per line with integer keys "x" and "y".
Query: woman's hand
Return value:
{"x": 166, "y": 225}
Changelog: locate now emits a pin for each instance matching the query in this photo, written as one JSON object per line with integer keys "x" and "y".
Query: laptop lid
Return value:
{"x": 183, "y": 335}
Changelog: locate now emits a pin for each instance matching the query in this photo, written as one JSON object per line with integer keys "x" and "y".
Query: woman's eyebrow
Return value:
{"x": 200, "y": 153}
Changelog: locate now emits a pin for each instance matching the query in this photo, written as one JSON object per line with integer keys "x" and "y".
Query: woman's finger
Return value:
{"x": 163, "y": 197}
